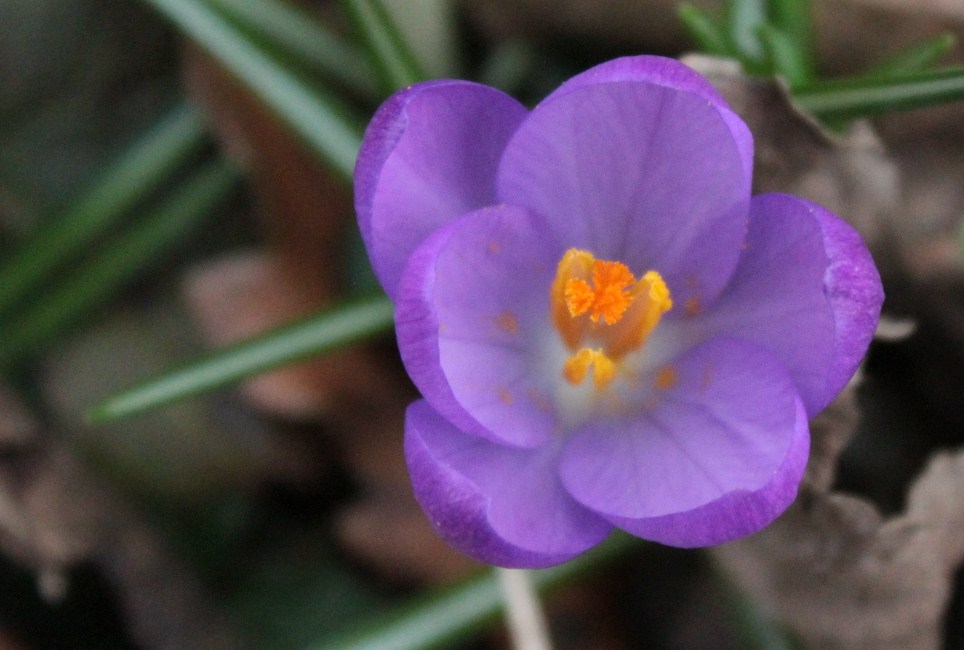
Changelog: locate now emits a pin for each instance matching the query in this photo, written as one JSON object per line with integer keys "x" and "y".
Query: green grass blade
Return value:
{"x": 706, "y": 32}
{"x": 461, "y": 611}
{"x": 315, "y": 117}
{"x": 793, "y": 19}
{"x": 298, "y": 33}
{"x": 325, "y": 331}
{"x": 784, "y": 56}
{"x": 743, "y": 21}
{"x": 122, "y": 260}
{"x": 138, "y": 172}
{"x": 916, "y": 59}
{"x": 850, "y": 99}
{"x": 391, "y": 56}
{"x": 429, "y": 28}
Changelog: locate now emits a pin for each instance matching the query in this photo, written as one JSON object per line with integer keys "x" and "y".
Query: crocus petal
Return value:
{"x": 671, "y": 73}
{"x": 853, "y": 287}
{"x": 637, "y": 172}
{"x": 807, "y": 290}
{"x": 716, "y": 453}
{"x": 497, "y": 504}
{"x": 472, "y": 312}
{"x": 645, "y": 68}
{"x": 429, "y": 155}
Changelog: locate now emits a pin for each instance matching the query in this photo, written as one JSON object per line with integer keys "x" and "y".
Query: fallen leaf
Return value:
{"x": 839, "y": 575}
{"x": 388, "y": 532}
{"x": 184, "y": 454}
{"x": 850, "y": 174}
{"x": 55, "y": 514}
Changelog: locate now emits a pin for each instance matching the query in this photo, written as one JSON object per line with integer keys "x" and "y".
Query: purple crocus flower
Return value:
{"x": 606, "y": 329}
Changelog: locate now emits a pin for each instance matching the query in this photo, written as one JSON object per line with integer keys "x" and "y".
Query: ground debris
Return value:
{"x": 837, "y": 573}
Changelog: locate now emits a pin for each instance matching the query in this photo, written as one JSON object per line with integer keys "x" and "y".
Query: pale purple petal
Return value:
{"x": 429, "y": 155}
{"x": 714, "y": 455}
{"x": 807, "y": 290}
{"x": 853, "y": 286}
{"x": 645, "y": 68}
{"x": 671, "y": 73}
{"x": 497, "y": 504}
{"x": 641, "y": 173}
{"x": 473, "y": 309}
{"x": 776, "y": 296}
{"x": 738, "y": 513}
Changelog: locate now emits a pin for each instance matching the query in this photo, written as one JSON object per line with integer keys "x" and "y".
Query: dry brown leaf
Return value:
{"x": 386, "y": 529}
{"x": 50, "y": 518}
{"x": 850, "y": 174}
{"x": 390, "y": 533}
{"x": 182, "y": 454}
{"x": 55, "y": 515}
{"x": 932, "y": 206}
{"x": 305, "y": 210}
{"x": 830, "y": 432}
{"x": 306, "y": 214}
{"x": 838, "y": 574}
{"x": 951, "y": 9}
{"x": 245, "y": 294}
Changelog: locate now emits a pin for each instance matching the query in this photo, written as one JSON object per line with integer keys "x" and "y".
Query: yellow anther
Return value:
{"x": 577, "y": 367}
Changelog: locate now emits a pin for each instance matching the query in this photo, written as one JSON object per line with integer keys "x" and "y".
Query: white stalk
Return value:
{"x": 524, "y": 615}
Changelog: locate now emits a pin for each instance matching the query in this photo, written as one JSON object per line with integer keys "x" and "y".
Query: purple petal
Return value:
{"x": 497, "y": 504}
{"x": 853, "y": 287}
{"x": 645, "y": 68}
{"x": 715, "y": 455}
{"x": 671, "y": 73}
{"x": 472, "y": 317}
{"x": 807, "y": 290}
{"x": 638, "y": 172}
{"x": 429, "y": 155}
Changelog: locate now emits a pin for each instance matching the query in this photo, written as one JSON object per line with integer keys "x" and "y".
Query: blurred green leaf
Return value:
{"x": 138, "y": 172}
{"x": 123, "y": 259}
{"x": 299, "y": 592}
{"x": 743, "y": 21}
{"x": 429, "y": 29}
{"x": 793, "y": 19}
{"x": 784, "y": 56}
{"x": 320, "y": 120}
{"x": 389, "y": 53}
{"x": 850, "y": 99}
{"x": 704, "y": 29}
{"x": 298, "y": 33}
{"x": 916, "y": 59}
{"x": 756, "y": 630}
{"x": 463, "y": 610}
{"x": 508, "y": 65}
{"x": 320, "y": 333}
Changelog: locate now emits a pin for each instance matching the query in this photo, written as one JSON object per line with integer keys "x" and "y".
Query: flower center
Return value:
{"x": 603, "y": 313}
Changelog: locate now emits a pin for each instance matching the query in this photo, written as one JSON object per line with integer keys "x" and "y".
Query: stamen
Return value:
{"x": 577, "y": 367}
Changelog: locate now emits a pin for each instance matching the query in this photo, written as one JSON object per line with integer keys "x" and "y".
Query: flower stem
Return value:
{"x": 524, "y": 615}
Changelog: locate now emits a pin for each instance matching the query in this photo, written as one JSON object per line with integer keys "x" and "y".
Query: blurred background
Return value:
{"x": 175, "y": 180}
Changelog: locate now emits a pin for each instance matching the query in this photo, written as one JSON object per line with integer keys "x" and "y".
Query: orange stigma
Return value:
{"x": 602, "y": 313}
{"x": 609, "y": 296}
